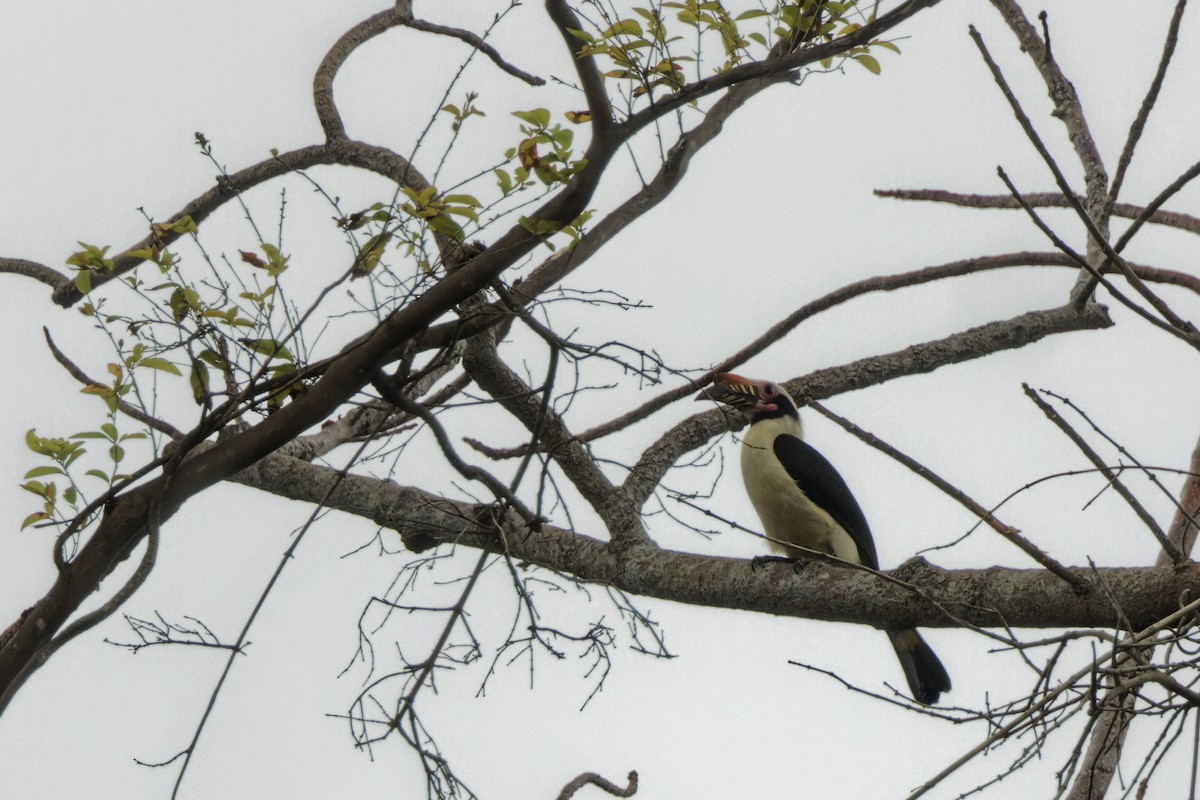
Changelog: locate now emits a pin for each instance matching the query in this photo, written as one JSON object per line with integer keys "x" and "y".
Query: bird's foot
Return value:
{"x": 803, "y": 564}
{"x": 758, "y": 562}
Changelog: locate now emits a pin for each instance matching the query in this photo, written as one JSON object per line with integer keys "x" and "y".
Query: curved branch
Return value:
{"x": 373, "y": 158}
{"x": 921, "y": 358}
{"x": 347, "y": 43}
{"x": 886, "y": 283}
{"x": 603, "y": 783}
{"x": 599, "y": 105}
{"x": 125, "y": 407}
{"x": 39, "y": 272}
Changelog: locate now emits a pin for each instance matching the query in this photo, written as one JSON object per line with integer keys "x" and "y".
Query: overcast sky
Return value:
{"x": 100, "y": 104}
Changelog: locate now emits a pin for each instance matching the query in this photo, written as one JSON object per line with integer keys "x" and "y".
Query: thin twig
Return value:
{"x": 1139, "y": 122}
{"x": 389, "y": 392}
{"x": 126, "y": 408}
{"x": 479, "y": 44}
{"x": 1185, "y": 330}
{"x": 238, "y": 646}
{"x": 596, "y": 779}
{"x": 1007, "y": 531}
{"x": 1084, "y": 263}
{"x": 1113, "y": 480}
{"x": 1120, "y": 449}
{"x": 1036, "y": 707}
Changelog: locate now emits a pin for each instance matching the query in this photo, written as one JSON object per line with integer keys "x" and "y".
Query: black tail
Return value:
{"x": 926, "y": 676}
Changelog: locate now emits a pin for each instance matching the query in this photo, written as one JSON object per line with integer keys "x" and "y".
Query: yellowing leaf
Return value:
{"x": 869, "y": 62}
{"x": 160, "y": 364}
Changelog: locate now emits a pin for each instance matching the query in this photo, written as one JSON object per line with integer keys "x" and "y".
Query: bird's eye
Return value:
{"x": 769, "y": 390}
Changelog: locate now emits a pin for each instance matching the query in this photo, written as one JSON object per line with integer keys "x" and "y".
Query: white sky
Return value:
{"x": 99, "y": 104}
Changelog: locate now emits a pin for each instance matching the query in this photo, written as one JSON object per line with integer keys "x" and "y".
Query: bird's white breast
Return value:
{"x": 787, "y": 515}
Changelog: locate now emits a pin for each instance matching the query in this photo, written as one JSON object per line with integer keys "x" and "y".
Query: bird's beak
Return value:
{"x": 733, "y": 390}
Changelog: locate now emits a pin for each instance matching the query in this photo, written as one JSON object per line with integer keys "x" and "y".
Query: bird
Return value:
{"x": 806, "y": 507}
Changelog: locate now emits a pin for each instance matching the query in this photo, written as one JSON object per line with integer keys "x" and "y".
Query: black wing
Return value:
{"x": 817, "y": 478}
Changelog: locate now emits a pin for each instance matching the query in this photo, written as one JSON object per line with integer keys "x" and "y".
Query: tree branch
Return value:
{"x": 921, "y": 358}
{"x": 992, "y": 597}
{"x": 1172, "y": 219}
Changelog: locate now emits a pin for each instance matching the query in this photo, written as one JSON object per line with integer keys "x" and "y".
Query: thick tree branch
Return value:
{"x": 992, "y": 597}
{"x": 491, "y": 374}
{"x": 918, "y": 359}
{"x": 39, "y": 272}
{"x": 599, "y": 105}
{"x": 126, "y": 521}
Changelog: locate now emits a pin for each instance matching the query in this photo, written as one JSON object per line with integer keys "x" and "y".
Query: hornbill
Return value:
{"x": 806, "y": 507}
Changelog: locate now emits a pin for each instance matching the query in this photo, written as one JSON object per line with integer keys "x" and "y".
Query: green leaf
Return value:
{"x": 625, "y": 27}
{"x": 269, "y": 348}
{"x": 96, "y": 473}
{"x": 502, "y": 178}
{"x": 83, "y": 281}
{"x": 36, "y": 516}
{"x": 277, "y": 262}
{"x": 369, "y": 255}
{"x": 869, "y": 62}
{"x": 199, "y": 381}
{"x": 160, "y": 364}
{"x": 538, "y": 117}
{"x": 38, "y": 472}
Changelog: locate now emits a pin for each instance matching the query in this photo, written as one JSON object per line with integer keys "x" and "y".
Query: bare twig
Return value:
{"x": 1168, "y": 547}
{"x": 1086, "y": 265}
{"x": 126, "y": 408}
{"x": 1008, "y": 532}
{"x": 1139, "y": 122}
{"x": 1171, "y": 219}
{"x": 1037, "y": 706}
{"x": 479, "y": 44}
{"x": 596, "y": 779}
{"x": 1150, "y": 474}
{"x": 1184, "y": 330}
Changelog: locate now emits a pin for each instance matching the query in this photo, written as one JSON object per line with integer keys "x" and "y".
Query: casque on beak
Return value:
{"x": 733, "y": 390}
